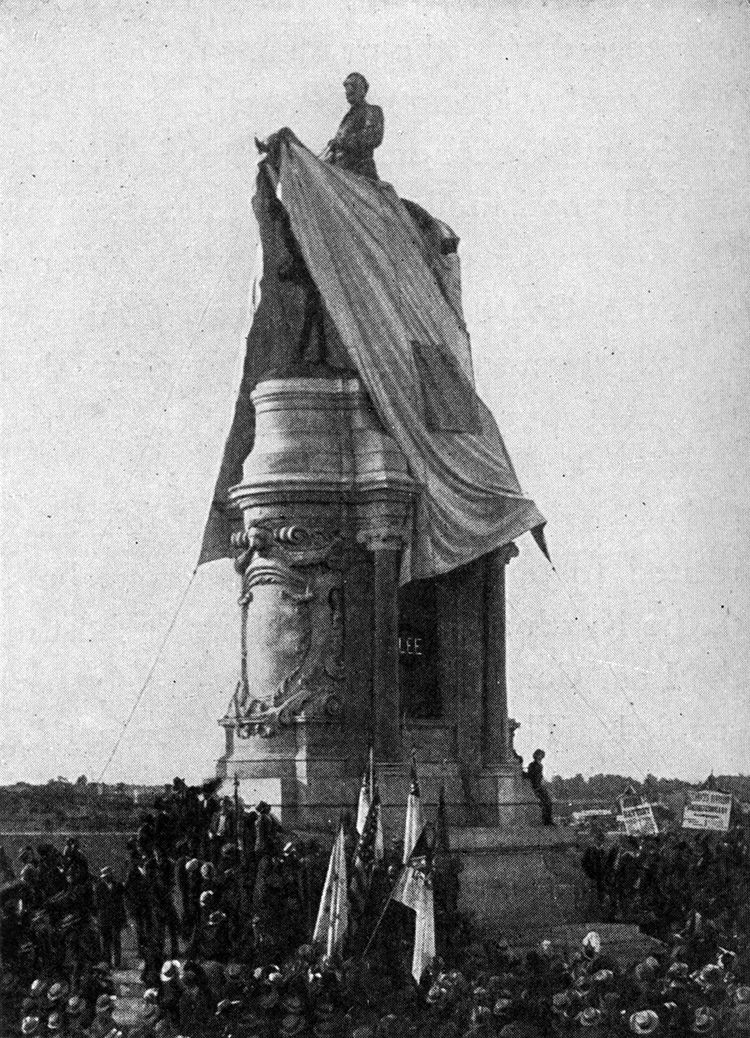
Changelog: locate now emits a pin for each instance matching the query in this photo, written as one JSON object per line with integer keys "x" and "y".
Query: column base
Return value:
{"x": 304, "y": 772}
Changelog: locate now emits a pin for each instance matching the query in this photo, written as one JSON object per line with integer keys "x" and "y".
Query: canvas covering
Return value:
{"x": 391, "y": 299}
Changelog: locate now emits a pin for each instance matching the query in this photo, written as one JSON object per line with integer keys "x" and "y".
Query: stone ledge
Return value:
{"x": 489, "y": 840}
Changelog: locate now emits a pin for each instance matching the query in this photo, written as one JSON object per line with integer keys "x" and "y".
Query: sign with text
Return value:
{"x": 708, "y": 809}
{"x": 639, "y": 820}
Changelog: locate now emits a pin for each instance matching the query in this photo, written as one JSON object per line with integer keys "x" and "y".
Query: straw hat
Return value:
{"x": 704, "y": 1021}
{"x": 591, "y": 943}
{"x": 645, "y": 1021}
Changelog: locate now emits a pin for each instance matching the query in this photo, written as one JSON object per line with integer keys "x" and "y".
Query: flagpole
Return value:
{"x": 382, "y": 914}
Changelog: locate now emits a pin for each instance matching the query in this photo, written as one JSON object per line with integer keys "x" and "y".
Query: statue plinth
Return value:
{"x": 321, "y": 515}
{"x": 331, "y": 647}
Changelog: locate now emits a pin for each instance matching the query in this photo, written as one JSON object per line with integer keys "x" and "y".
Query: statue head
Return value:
{"x": 356, "y": 87}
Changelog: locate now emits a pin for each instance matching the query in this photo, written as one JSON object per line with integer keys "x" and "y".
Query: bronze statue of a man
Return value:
{"x": 360, "y": 132}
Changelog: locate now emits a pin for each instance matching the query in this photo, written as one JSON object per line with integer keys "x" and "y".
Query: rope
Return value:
{"x": 584, "y": 700}
{"x": 613, "y": 672}
{"x": 152, "y": 668}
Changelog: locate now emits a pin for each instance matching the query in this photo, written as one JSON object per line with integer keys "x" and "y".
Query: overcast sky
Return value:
{"x": 594, "y": 159}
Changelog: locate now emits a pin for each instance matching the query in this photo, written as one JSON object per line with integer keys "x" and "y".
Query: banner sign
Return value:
{"x": 708, "y": 809}
{"x": 639, "y": 820}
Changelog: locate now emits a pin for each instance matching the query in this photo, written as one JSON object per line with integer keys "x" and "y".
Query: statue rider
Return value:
{"x": 360, "y": 131}
{"x": 359, "y": 134}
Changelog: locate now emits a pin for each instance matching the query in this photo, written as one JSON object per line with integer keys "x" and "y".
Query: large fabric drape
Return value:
{"x": 382, "y": 290}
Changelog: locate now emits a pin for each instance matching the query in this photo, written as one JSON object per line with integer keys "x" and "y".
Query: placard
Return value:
{"x": 639, "y": 820}
{"x": 708, "y": 809}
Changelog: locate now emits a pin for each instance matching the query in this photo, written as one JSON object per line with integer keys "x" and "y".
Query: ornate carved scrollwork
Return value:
{"x": 292, "y": 626}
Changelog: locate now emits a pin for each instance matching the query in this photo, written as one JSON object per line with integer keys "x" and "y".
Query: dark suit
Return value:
{"x": 110, "y": 911}
{"x": 360, "y": 133}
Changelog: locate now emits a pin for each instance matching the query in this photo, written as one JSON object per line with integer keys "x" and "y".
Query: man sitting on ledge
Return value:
{"x": 535, "y": 775}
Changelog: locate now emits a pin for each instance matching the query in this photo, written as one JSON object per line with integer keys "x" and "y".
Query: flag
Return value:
{"x": 365, "y": 857}
{"x": 414, "y": 815}
{"x": 424, "y": 931}
{"x": 414, "y": 885}
{"x": 365, "y": 792}
{"x": 333, "y": 914}
{"x": 414, "y": 889}
{"x": 363, "y": 807}
{"x": 374, "y": 793}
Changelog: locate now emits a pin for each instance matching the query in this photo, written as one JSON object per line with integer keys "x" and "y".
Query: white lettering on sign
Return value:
{"x": 708, "y": 810}
{"x": 410, "y": 645}
{"x": 639, "y": 820}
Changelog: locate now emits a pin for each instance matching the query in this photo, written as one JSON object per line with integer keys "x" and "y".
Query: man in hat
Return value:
{"x": 76, "y": 862}
{"x": 267, "y": 835}
{"x": 75, "y": 1011}
{"x": 103, "y": 1023}
{"x": 109, "y": 899}
{"x": 171, "y": 990}
{"x": 360, "y": 132}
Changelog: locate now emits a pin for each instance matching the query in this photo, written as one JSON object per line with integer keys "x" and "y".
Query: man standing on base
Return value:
{"x": 535, "y": 775}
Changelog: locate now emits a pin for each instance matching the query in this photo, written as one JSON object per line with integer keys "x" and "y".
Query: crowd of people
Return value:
{"x": 659, "y": 881}
{"x": 221, "y": 907}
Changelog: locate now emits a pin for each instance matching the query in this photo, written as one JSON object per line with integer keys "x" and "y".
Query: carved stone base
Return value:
{"x": 304, "y": 772}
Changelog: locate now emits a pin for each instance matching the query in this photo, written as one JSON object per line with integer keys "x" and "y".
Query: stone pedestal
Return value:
{"x": 330, "y": 648}
{"x": 321, "y": 517}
